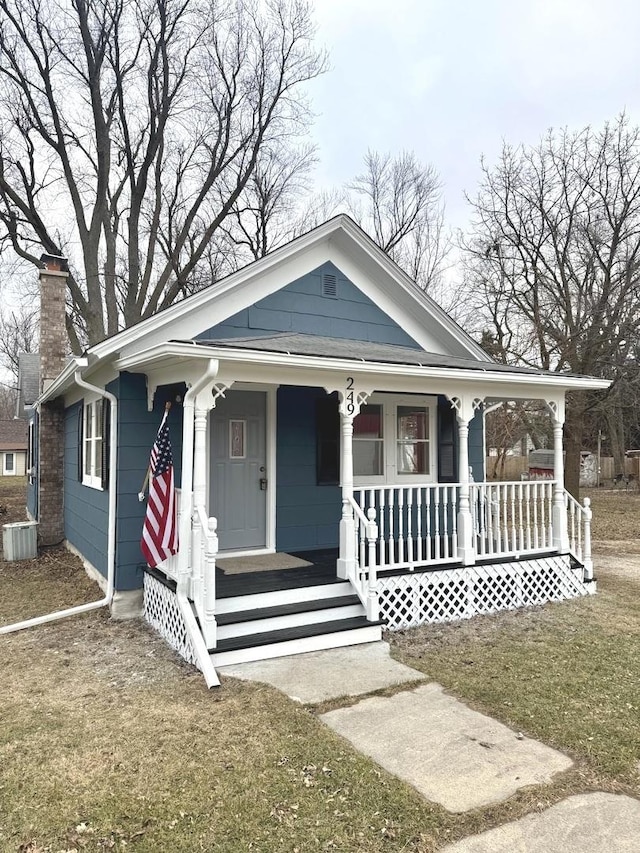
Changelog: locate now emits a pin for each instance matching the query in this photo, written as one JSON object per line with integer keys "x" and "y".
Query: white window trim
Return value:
{"x": 391, "y": 477}
{"x": 91, "y": 479}
{"x": 5, "y": 470}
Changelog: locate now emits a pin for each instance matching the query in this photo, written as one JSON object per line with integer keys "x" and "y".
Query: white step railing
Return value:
{"x": 362, "y": 563}
{"x": 512, "y": 518}
{"x": 579, "y": 532}
{"x": 417, "y": 525}
{"x": 204, "y": 549}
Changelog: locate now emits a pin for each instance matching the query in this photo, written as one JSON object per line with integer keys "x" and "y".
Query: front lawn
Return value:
{"x": 109, "y": 742}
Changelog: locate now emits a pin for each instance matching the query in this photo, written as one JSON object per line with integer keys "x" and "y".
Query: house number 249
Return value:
{"x": 350, "y": 407}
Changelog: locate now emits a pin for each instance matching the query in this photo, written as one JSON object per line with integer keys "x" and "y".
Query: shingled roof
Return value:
{"x": 13, "y": 435}
{"x": 28, "y": 379}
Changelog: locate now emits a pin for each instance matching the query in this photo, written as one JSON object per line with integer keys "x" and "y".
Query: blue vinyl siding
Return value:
{"x": 300, "y": 307}
{"x": 137, "y": 430}
{"x": 476, "y": 447}
{"x": 307, "y": 515}
{"x": 85, "y": 508}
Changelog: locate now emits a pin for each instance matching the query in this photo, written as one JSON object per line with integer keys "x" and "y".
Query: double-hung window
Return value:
{"x": 92, "y": 443}
{"x": 393, "y": 440}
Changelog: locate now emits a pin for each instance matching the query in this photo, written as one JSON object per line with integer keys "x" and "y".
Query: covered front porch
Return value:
{"x": 418, "y": 536}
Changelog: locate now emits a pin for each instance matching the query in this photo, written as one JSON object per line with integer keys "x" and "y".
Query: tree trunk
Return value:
{"x": 613, "y": 417}
{"x": 573, "y": 428}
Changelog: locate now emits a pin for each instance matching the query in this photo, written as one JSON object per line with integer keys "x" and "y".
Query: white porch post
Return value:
{"x": 199, "y": 498}
{"x": 559, "y": 510}
{"x": 186, "y": 484}
{"x": 465, "y": 407}
{"x": 351, "y": 398}
{"x": 346, "y": 559}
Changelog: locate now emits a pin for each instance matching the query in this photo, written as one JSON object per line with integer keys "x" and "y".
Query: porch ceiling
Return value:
{"x": 307, "y": 359}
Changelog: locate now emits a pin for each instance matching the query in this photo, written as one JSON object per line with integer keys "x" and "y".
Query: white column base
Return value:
{"x": 466, "y": 549}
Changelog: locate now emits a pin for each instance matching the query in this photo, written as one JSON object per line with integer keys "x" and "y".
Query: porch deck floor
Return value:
{"x": 322, "y": 571}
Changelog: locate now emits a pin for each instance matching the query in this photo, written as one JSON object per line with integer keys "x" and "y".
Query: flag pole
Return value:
{"x": 145, "y": 482}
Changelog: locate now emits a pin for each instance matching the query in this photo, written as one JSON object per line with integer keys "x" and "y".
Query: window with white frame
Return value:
{"x": 92, "y": 438}
{"x": 9, "y": 466}
{"x": 394, "y": 440}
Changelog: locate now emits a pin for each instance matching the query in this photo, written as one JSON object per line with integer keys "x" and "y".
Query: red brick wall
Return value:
{"x": 51, "y": 473}
{"x": 53, "y": 348}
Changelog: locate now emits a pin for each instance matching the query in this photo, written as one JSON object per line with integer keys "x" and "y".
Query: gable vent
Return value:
{"x": 329, "y": 285}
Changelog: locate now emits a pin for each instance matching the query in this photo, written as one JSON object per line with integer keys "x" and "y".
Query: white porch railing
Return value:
{"x": 417, "y": 525}
{"x": 510, "y": 519}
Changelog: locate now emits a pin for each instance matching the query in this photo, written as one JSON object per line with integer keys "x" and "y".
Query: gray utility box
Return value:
{"x": 20, "y": 540}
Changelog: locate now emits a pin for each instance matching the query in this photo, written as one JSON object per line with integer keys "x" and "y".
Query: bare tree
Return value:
{"x": 398, "y": 201}
{"x": 555, "y": 255}
{"x": 264, "y": 216}
{"x": 8, "y": 402}
{"x": 18, "y": 334}
{"x": 129, "y": 131}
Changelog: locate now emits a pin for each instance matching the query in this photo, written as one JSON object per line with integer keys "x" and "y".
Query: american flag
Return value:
{"x": 160, "y": 529}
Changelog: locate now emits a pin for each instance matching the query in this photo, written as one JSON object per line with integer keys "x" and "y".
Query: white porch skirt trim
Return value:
{"x": 451, "y": 594}
{"x": 162, "y": 612}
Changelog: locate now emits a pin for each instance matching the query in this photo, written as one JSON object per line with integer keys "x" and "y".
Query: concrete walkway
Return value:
{"x": 452, "y": 755}
{"x": 318, "y": 676}
{"x": 585, "y": 823}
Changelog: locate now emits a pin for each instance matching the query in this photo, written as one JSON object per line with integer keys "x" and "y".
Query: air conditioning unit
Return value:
{"x": 20, "y": 540}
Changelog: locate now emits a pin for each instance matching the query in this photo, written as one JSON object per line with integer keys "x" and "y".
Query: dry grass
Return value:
{"x": 109, "y": 742}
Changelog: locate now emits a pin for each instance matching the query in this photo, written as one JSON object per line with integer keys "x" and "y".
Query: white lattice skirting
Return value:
{"x": 451, "y": 594}
{"x": 162, "y": 612}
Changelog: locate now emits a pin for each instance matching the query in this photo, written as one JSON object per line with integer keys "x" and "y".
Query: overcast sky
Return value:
{"x": 451, "y": 79}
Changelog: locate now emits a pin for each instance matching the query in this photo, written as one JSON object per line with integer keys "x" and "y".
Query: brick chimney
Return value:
{"x": 53, "y": 347}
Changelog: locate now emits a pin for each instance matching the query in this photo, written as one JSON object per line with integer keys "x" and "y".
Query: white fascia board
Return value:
{"x": 503, "y": 383}
{"x": 62, "y": 381}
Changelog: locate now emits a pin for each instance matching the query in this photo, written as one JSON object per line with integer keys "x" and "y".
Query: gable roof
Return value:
{"x": 338, "y": 240}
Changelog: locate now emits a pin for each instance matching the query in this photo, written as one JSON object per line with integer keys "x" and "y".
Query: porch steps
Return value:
{"x": 290, "y": 621}
{"x": 264, "y": 619}
{"x": 279, "y": 597}
{"x": 296, "y": 640}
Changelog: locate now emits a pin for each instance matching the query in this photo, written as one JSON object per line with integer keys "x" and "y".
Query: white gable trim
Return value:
{"x": 341, "y": 241}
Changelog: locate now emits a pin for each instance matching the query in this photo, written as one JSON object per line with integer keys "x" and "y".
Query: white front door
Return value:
{"x": 238, "y": 474}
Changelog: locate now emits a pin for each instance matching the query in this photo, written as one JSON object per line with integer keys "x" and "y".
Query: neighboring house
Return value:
{"x": 13, "y": 448}
{"x": 323, "y": 408}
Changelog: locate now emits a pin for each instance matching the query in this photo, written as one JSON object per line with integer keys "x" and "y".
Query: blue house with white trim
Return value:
{"x": 326, "y": 419}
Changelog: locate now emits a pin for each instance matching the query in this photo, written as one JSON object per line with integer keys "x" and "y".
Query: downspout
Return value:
{"x": 111, "y": 538}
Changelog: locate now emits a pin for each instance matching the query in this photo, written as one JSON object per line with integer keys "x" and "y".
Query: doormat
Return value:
{"x": 260, "y": 563}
